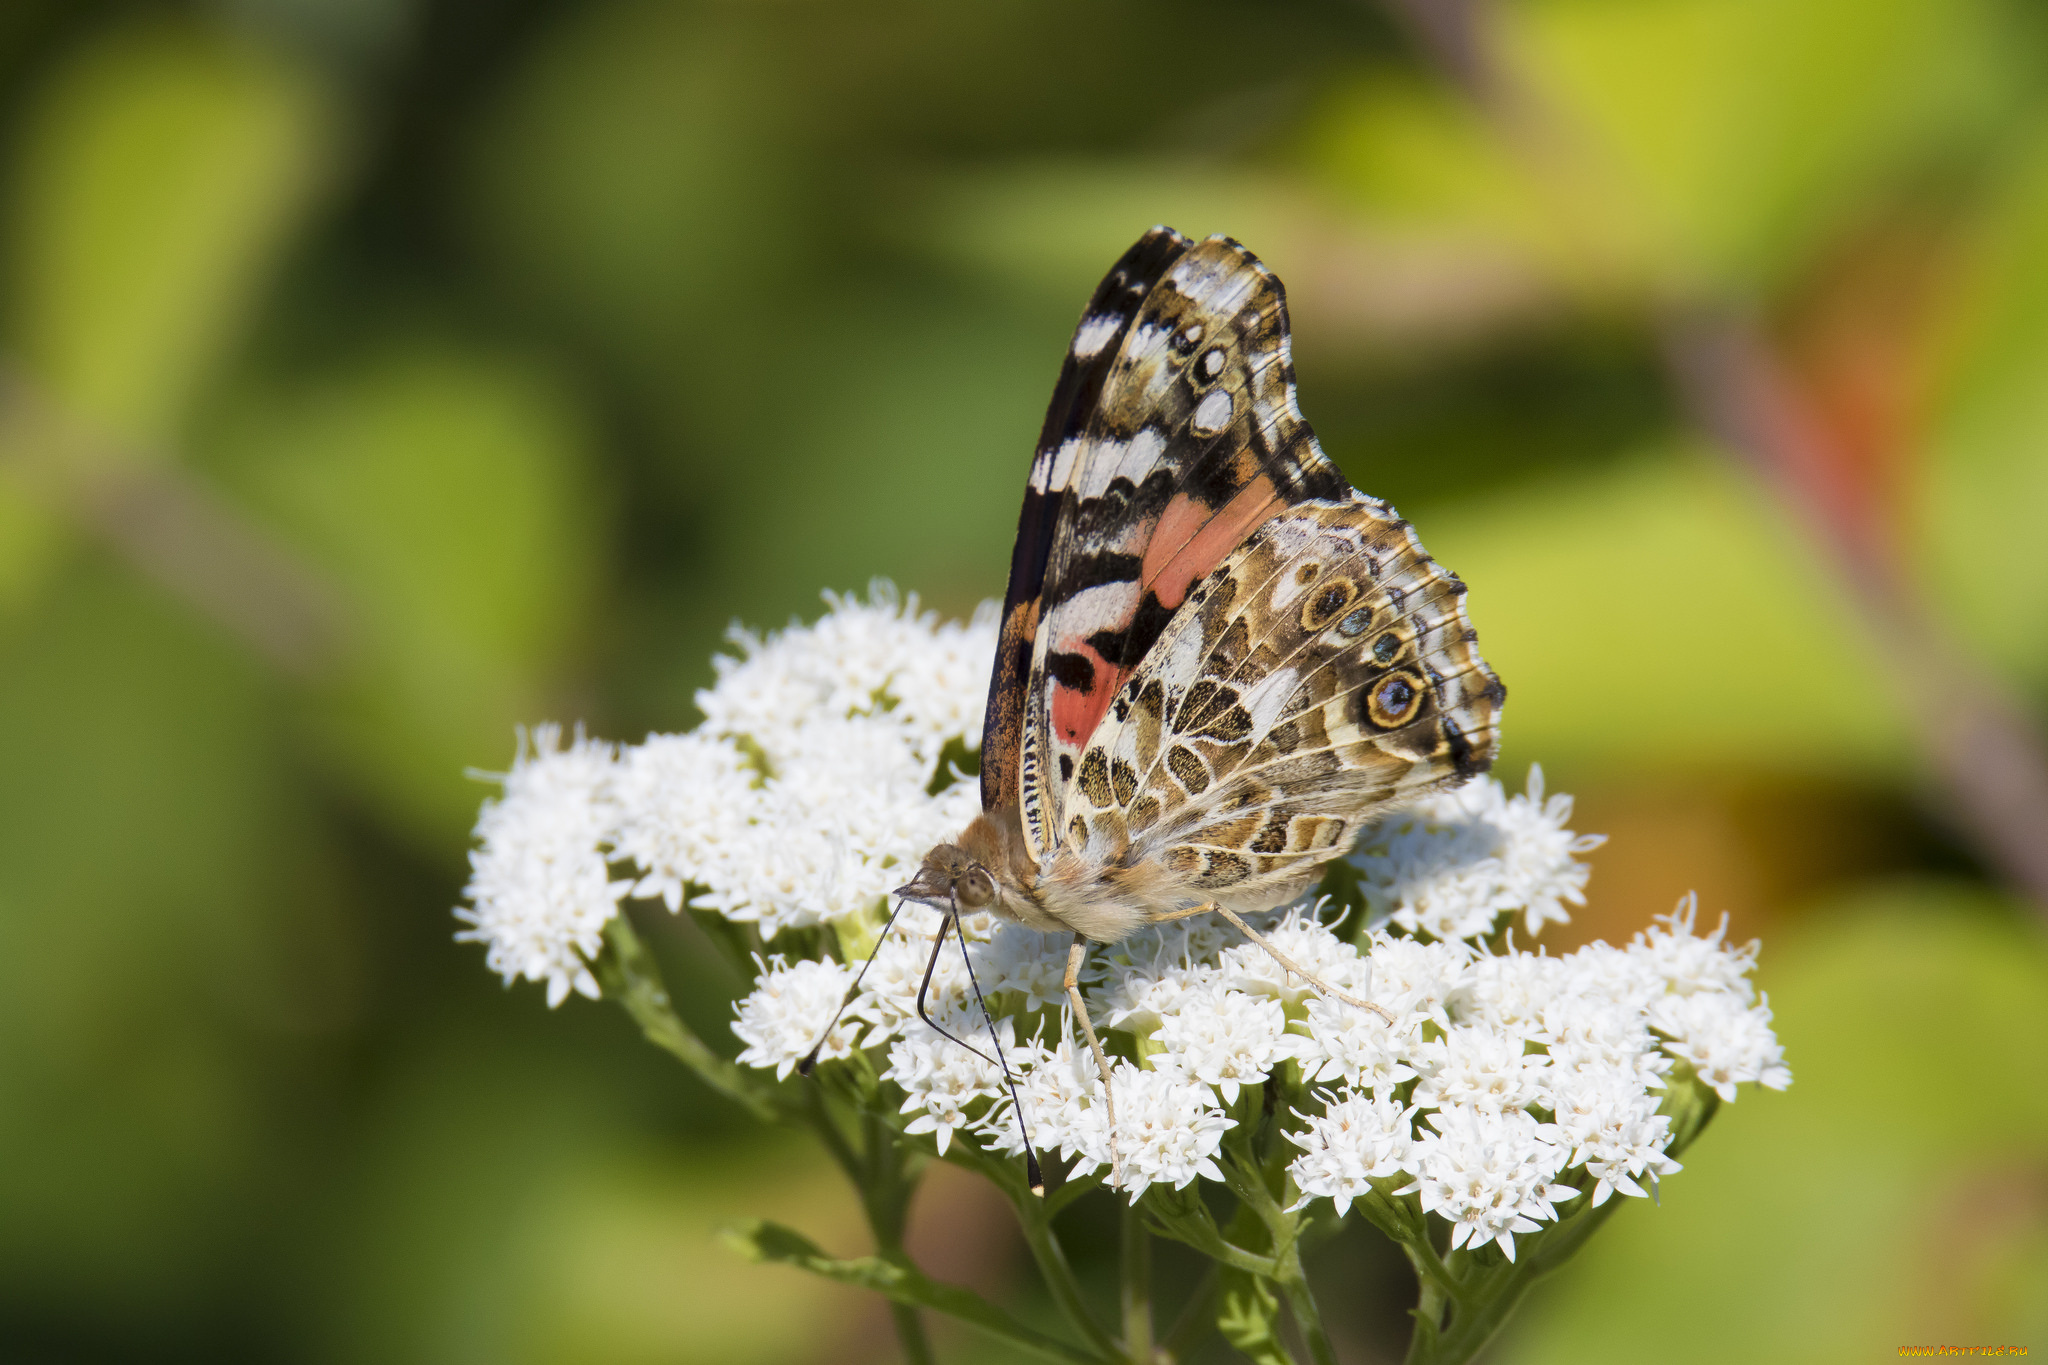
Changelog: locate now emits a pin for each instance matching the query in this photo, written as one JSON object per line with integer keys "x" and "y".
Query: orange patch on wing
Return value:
{"x": 1076, "y": 714}
{"x": 1190, "y": 541}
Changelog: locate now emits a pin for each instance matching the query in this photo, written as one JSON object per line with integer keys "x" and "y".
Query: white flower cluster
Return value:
{"x": 1451, "y": 865}
{"x": 1507, "y": 1082}
{"x": 803, "y": 797}
{"x": 540, "y": 888}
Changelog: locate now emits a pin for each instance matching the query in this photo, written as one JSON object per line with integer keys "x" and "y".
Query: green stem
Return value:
{"x": 903, "y": 1283}
{"x": 886, "y": 1194}
{"x": 1308, "y": 1317}
{"x": 910, "y": 1333}
{"x": 1034, "y": 1219}
{"x": 1137, "y": 1287}
{"x": 1184, "y": 1218}
{"x": 1248, "y": 1178}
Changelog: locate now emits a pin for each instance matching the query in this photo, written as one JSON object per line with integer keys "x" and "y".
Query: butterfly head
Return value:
{"x": 951, "y": 877}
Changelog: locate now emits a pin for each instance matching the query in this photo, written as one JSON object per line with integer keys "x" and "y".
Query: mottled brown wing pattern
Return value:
{"x": 1194, "y": 442}
{"x": 1326, "y": 670}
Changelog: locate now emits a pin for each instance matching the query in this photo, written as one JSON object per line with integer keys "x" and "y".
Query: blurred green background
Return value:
{"x": 378, "y": 375}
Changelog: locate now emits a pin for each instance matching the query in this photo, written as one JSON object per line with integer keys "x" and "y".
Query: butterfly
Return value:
{"x": 1217, "y": 659}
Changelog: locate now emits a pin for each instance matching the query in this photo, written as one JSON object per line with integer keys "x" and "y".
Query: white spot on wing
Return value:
{"x": 1063, "y": 462}
{"x": 1106, "y": 606}
{"x": 1146, "y": 342}
{"x": 1105, "y": 456}
{"x": 1213, "y": 414}
{"x": 1146, "y": 448}
{"x": 1093, "y": 334}
{"x": 1269, "y": 698}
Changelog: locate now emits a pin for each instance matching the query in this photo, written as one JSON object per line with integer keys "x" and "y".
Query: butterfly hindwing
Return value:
{"x": 1324, "y": 671}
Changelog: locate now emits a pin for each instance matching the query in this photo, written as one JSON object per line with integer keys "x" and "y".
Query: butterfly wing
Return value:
{"x": 1191, "y": 442}
{"x": 1198, "y": 709}
{"x": 1326, "y": 670}
{"x": 1051, "y": 506}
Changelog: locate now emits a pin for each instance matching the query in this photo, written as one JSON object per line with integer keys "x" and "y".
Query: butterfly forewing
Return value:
{"x": 1012, "y": 771}
{"x": 1193, "y": 444}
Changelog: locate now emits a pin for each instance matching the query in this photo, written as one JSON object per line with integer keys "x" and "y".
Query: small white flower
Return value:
{"x": 686, "y": 804}
{"x": 1539, "y": 853}
{"x": 1725, "y": 1040}
{"x": 789, "y": 1007}
{"x": 1145, "y": 979}
{"x": 1352, "y": 1143}
{"x": 1479, "y": 1067}
{"x": 540, "y": 889}
{"x": 1018, "y": 959}
{"x": 1508, "y": 990}
{"x": 1168, "y": 1130}
{"x": 852, "y": 852}
{"x": 1624, "y": 978}
{"x": 1613, "y": 1128}
{"x": 1488, "y": 1173}
{"x": 882, "y": 658}
{"x": 888, "y": 993}
{"x": 1452, "y": 864}
{"x": 1689, "y": 962}
{"x": 1062, "y": 1098}
{"x": 941, "y": 1077}
{"x": 1225, "y": 1038}
{"x": 1356, "y": 1046}
{"x": 1413, "y": 977}
{"x": 1587, "y": 1032}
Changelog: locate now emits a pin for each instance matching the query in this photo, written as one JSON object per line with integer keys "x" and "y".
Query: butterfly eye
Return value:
{"x": 1386, "y": 647}
{"x": 975, "y": 890}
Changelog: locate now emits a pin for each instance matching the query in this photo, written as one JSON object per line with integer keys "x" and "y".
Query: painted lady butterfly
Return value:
{"x": 1217, "y": 657}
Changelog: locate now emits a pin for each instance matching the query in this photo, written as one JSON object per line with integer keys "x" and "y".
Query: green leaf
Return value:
{"x": 442, "y": 493}
{"x": 162, "y": 171}
{"x": 1986, "y": 481}
{"x": 1663, "y": 611}
{"x": 1730, "y": 137}
{"x": 1248, "y": 1316}
{"x": 764, "y": 1241}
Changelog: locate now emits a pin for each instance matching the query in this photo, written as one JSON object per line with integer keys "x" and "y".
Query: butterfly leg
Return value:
{"x": 1077, "y": 955}
{"x": 1285, "y": 961}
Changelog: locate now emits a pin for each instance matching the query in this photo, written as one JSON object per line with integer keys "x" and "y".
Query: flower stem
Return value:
{"x": 1248, "y": 1179}
{"x": 1137, "y": 1287}
{"x": 1034, "y": 1219}
{"x": 885, "y": 1194}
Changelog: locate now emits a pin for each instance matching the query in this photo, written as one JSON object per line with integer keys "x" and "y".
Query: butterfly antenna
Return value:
{"x": 1031, "y": 1169}
{"x": 803, "y": 1068}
